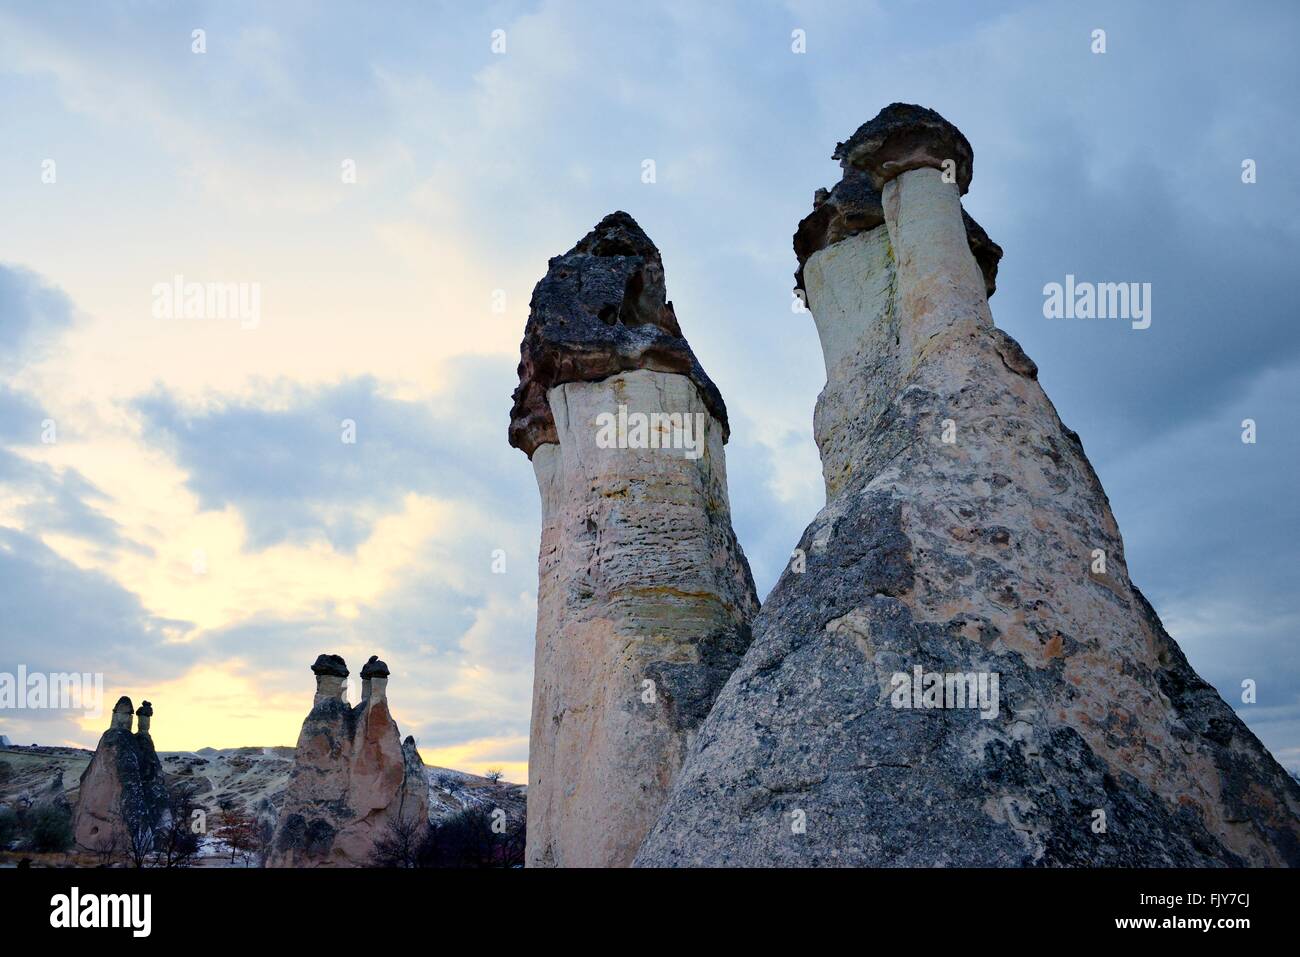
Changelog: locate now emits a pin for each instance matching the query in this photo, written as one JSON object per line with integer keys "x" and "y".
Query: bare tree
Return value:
{"x": 240, "y": 832}
{"x": 137, "y": 838}
{"x": 401, "y": 844}
{"x": 175, "y": 843}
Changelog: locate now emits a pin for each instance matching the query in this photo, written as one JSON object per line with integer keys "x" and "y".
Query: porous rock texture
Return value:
{"x": 122, "y": 800}
{"x": 600, "y": 309}
{"x": 975, "y": 555}
{"x": 352, "y": 776}
{"x": 644, "y": 595}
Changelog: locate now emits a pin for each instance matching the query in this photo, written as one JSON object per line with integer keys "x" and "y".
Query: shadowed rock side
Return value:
{"x": 123, "y": 794}
{"x": 352, "y": 777}
{"x": 975, "y": 556}
{"x": 644, "y": 595}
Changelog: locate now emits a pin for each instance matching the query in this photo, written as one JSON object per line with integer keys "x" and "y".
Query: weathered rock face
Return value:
{"x": 599, "y": 310}
{"x": 352, "y": 776}
{"x": 644, "y": 595}
{"x": 854, "y": 206}
{"x": 965, "y": 533}
{"x": 123, "y": 795}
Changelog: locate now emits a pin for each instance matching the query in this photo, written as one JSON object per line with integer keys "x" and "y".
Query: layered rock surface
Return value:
{"x": 122, "y": 797}
{"x": 352, "y": 776}
{"x": 644, "y": 595}
{"x": 965, "y": 533}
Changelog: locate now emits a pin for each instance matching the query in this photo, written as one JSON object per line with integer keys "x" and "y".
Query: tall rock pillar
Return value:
{"x": 964, "y": 673}
{"x": 644, "y": 595}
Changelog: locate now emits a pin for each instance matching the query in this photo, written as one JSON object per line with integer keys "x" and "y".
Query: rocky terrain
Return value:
{"x": 251, "y": 780}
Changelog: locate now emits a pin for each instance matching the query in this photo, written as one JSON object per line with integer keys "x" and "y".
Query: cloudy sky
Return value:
{"x": 197, "y": 530}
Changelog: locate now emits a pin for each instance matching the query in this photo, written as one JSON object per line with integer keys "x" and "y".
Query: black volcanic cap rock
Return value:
{"x": 145, "y": 710}
{"x": 374, "y": 668}
{"x": 330, "y": 665}
{"x": 600, "y": 309}
{"x": 904, "y": 136}
{"x": 123, "y": 705}
{"x": 854, "y": 204}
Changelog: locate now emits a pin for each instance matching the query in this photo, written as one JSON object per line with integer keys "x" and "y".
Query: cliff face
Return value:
{"x": 966, "y": 555}
{"x": 644, "y": 595}
{"x": 352, "y": 776}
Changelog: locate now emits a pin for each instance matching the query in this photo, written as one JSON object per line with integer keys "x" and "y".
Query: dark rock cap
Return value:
{"x": 987, "y": 253}
{"x": 600, "y": 309}
{"x": 330, "y": 665}
{"x": 145, "y": 710}
{"x": 904, "y": 136}
{"x": 854, "y": 206}
{"x": 123, "y": 706}
{"x": 374, "y": 668}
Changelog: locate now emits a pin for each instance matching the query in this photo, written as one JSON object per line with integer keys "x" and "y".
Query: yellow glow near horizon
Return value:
{"x": 211, "y": 707}
{"x": 476, "y": 757}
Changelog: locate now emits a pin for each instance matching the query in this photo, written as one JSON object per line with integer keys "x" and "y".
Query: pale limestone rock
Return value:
{"x": 644, "y": 596}
{"x": 974, "y": 555}
{"x": 351, "y": 776}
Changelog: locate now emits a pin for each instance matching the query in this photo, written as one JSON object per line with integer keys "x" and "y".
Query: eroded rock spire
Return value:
{"x": 644, "y": 595}
{"x": 122, "y": 800}
{"x": 959, "y": 671}
{"x": 353, "y": 780}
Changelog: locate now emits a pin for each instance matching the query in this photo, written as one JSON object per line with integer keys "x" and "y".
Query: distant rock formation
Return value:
{"x": 352, "y": 777}
{"x": 122, "y": 800}
{"x": 644, "y": 595}
{"x": 966, "y": 555}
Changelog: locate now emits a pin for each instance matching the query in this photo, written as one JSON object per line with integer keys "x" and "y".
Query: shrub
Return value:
{"x": 8, "y": 827}
{"x": 49, "y": 828}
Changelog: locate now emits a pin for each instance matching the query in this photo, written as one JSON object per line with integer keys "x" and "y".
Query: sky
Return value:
{"x": 180, "y": 512}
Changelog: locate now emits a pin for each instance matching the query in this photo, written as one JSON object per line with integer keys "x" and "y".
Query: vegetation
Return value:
{"x": 472, "y": 838}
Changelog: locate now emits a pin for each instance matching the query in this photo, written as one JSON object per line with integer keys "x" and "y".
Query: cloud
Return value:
{"x": 329, "y": 461}
{"x": 33, "y": 314}
{"x": 59, "y": 617}
{"x": 474, "y": 169}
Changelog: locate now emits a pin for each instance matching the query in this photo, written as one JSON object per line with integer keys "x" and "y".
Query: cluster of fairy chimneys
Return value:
{"x": 123, "y": 710}
{"x": 331, "y": 676}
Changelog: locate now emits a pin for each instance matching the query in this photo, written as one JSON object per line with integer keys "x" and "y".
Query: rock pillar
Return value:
{"x": 644, "y": 595}
{"x": 964, "y": 674}
{"x": 352, "y": 779}
{"x": 144, "y": 714}
{"x": 122, "y": 799}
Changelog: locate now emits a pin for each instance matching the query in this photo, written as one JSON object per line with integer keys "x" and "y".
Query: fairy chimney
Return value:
{"x": 122, "y": 797}
{"x": 122, "y": 712}
{"x": 143, "y": 713}
{"x": 956, "y": 677}
{"x": 644, "y": 595}
{"x": 331, "y": 676}
{"x": 352, "y": 778}
{"x": 374, "y": 679}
